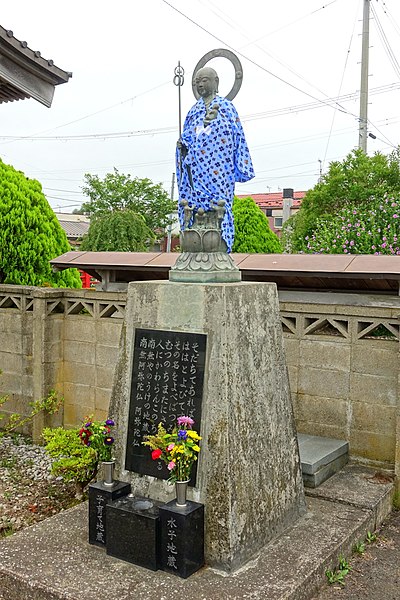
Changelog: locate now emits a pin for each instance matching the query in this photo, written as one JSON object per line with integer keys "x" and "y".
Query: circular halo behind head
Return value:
{"x": 221, "y": 52}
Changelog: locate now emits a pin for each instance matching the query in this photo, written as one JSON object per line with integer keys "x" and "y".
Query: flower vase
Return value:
{"x": 181, "y": 491}
{"x": 108, "y": 472}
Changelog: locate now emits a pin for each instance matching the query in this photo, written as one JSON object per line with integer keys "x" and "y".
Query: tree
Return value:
{"x": 119, "y": 230}
{"x": 30, "y": 234}
{"x": 252, "y": 230}
{"x": 118, "y": 192}
{"x": 374, "y": 229}
{"x": 359, "y": 179}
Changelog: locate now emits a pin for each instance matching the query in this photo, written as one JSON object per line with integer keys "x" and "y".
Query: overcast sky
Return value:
{"x": 295, "y": 56}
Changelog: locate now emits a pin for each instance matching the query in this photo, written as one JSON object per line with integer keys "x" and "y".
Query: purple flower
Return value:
{"x": 88, "y": 424}
{"x": 109, "y": 441}
{"x": 395, "y": 216}
{"x": 110, "y": 422}
{"x": 182, "y": 435}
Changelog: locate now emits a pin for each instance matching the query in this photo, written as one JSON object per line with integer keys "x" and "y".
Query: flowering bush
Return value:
{"x": 97, "y": 435}
{"x": 178, "y": 449}
{"x": 359, "y": 230}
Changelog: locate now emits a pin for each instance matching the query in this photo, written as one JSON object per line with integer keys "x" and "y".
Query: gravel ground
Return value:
{"x": 28, "y": 491}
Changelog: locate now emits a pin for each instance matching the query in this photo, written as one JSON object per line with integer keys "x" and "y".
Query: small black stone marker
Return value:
{"x": 182, "y": 538}
{"x": 99, "y": 496}
{"x": 134, "y": 531}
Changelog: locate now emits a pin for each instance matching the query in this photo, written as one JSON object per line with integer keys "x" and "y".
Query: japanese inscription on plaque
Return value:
{"x": 167, "y": 382}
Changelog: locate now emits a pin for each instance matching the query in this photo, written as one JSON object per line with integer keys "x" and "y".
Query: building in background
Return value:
{"x": 75, "y": 227}
{"x": 277, "y": 206}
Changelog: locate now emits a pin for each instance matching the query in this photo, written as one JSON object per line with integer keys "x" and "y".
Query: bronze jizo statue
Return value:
{"x": 212, "y": 155}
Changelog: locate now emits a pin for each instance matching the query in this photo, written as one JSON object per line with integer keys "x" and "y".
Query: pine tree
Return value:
{"x": 30, "y": 234}
{"x": 252, "y": 230}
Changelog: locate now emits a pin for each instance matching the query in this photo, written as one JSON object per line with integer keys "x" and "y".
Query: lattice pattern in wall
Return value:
{"x": 351, "y": 328}
{"x": 18, "y": 301}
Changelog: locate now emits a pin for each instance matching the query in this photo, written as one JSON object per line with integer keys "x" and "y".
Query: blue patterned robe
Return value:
{"x": 217, "y": 157}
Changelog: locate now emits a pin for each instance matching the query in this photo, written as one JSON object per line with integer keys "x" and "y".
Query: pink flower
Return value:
{"x": 171, "y": 465}
{"x": 185, "y": 421}
{"x": 169, "y": 448}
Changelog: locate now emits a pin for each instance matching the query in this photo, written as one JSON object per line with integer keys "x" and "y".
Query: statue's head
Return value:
{"x": 206, "y": 81}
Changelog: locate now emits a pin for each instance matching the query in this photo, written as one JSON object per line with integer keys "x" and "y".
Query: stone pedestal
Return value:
{"x": 134, "y": 531}
{"x": 248, "y": 476}
{"x": 182, "y": 538}
{"x": 99, "y": 497}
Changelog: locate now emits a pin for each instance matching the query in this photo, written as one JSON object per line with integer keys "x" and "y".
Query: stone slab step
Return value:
{"x": 321, "y": 457}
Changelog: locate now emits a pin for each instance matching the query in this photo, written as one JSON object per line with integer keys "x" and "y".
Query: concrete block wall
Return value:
{"x": 342, "y": 353}
{"x": 59, "y": 339}
{"x": 343, "y": 359}
{"x": 16, "y": 349}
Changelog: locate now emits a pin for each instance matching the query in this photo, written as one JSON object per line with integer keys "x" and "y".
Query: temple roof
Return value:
{"x": 24, "y": 73}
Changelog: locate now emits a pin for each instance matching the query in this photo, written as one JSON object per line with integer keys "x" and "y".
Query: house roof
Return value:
{"x": 75, "y": 226}
{"x": 333, "y": 272}
{"x": 273, "y": 199}
{"x": 74, "y": 229}
{"x": 24, "y": 73}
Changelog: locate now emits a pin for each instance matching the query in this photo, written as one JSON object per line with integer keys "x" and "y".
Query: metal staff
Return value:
{"x": 179, "y": 80}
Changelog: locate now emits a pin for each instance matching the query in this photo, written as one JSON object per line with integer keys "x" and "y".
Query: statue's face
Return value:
{"x": 206, "y": 82}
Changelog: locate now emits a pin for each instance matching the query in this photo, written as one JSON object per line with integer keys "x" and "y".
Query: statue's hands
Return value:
{"x": 211, "y": 114}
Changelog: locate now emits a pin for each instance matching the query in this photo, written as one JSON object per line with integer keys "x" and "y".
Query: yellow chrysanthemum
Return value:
{"x": 196, "y": 448}
{"x": 193, "y": 435}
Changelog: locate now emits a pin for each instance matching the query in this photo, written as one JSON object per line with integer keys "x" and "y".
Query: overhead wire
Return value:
{"x": 340, "y": 88}
{"x": 385, "y": 42}
{"x": 172, "y": 129}
{"x": 390, "y": 17}
{"x": 255, "y": 63}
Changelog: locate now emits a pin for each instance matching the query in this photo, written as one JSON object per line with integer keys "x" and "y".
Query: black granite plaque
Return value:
{"x": 167, "y": 382}
{"x": 134, "y": 531}
{"x": 182, "y": 538}
{"x": 99, "y": 496}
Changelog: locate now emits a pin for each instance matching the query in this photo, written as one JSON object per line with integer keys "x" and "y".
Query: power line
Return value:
{"x": 277, "y": 112}
{"x": 253, "y": 62}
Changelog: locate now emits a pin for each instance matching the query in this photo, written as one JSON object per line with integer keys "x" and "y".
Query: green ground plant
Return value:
{"x": 359, "y": 548}
{"x": 371, "y": 537}
{"x": 79, "y": 451}
{"x": 74, "y": 461}
{"x": 338, "y": 575}
{"x": 49, "y": 405}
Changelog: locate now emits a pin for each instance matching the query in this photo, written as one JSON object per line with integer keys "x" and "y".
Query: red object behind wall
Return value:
{"x": 86, "y": 279}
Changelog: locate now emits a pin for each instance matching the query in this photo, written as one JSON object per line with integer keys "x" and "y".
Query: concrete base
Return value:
{"x": 248, "y": 475}
{"x": 53, "y": 561}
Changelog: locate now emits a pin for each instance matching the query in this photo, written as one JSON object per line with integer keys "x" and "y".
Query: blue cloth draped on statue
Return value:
{"x": 217, "y": 156}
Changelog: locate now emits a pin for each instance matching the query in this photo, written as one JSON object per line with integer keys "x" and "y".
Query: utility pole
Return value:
{"x": 363, "y": 123}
